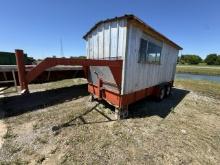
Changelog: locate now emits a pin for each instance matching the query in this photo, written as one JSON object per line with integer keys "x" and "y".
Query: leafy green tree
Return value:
{"x": 212, "y": 59}
{"x": 190, "y": 59}
{"x": 195, "y": 59}
{"x": 30, "y": 60}
{"x": 178, "y": 60}
{"x": 78, "y": 57}
{"x": 82, "y": 57}
{"x": 218, "y": 60}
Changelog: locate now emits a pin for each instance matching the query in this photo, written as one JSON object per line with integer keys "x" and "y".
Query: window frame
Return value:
{"x": 146, "y": 58}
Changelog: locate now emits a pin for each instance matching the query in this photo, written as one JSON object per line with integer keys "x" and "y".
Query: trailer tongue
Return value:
{"x": 96, "y": 89}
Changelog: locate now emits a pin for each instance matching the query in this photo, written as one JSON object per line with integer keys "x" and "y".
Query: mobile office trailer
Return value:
{"x": 149, "y": 62}
{"x": 127, "y": 60}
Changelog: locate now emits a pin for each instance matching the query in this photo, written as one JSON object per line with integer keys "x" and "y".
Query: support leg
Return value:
{"x": 48, "y": 76}
{"x": 15, "y": 82}
{"x": 5, "y": 76}
{"x": 21, "y": 71}
{"x": 91, "y": 98}
{"x": 121, "y": 113}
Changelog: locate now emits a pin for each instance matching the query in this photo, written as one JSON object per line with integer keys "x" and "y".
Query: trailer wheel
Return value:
{"x": 161, "y": 94}
{"x": 168, "y": 90}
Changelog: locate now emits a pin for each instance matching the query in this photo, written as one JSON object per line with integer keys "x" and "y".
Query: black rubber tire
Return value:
{"x": 161, "y": 94}
{"x": 168, "y": 90}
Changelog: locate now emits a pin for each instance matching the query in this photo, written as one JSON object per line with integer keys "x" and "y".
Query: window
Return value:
{"x": 149, "y": 52}
{"x": 143, "y": 51}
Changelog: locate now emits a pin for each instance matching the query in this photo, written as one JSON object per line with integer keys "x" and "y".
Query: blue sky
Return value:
{"x": 38, "y": 25}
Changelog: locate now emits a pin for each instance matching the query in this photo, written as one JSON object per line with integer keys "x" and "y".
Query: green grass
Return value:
{"x": 205, "y": 70}
{"x": 204, "y": 87}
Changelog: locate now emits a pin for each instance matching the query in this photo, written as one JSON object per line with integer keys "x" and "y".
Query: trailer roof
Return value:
{"x": 141, "y": 24}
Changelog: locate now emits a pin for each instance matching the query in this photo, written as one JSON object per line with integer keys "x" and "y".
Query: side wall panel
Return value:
{"x": 138, "y": 75}
{"x": 107, "y": 41}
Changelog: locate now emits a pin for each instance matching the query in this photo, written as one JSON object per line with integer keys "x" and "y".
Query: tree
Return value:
{"x": 78, "y": 57}
{"x": 82, "y": 57}
{"x": 190, "y": 59}
{"x": 178, "y": 60}
{"x": 30, "y": 60}
{"x": 195, "y": 59}
{"x": 212, "y": 59}
{"x": 218, "y": 60}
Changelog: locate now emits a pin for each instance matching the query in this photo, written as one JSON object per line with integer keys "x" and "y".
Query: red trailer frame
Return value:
{"x": 120, "y": 101}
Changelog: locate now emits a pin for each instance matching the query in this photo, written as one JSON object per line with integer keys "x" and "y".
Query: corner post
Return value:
{"x": 21, "y": 71}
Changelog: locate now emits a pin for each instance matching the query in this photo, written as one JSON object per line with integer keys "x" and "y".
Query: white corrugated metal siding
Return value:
{"x": 138, "y": 76}
{"x": 107, "y": 41}
{"x": 115, "y": 40}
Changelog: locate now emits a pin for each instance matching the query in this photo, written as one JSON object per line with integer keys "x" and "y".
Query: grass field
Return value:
{"x": 206, "y": 88}
{"x": 194, "y": 69}
{"x": 56, "y": 125}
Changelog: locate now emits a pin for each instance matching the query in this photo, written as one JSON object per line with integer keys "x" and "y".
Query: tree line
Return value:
{"x": 211, "y": 59}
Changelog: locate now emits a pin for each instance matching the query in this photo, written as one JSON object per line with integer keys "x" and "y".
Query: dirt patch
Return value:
{"x": 3, "y": 127}
{"x": 182, "y": 129}
{"x": 3, "y": 130}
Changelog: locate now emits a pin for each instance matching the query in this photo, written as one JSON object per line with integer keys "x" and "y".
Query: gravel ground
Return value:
{"x": 60, "y": 126}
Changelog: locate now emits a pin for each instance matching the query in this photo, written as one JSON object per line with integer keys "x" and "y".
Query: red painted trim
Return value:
{"x": 51, "y": 62}
{"x": 123, "y": 100}
{"x": 117, "y": 74}
{"x": 138, "y": 95}
{"x": 111, "y": 97}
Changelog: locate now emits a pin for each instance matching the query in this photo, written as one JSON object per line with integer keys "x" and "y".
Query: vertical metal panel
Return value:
{"x": 107, "y": 41}
{"x": 87, "y": 49}
{"x": 139, "y": 76}
{"x": 95, "y": 44}
{"x": 114, "y": 39}
{"x": 122, "y": 33}
{"x": 100, "y": 42}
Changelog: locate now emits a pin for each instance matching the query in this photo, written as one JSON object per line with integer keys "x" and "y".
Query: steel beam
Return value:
{"x": 21, "y": 70}
{"x": 51, "y": 62}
